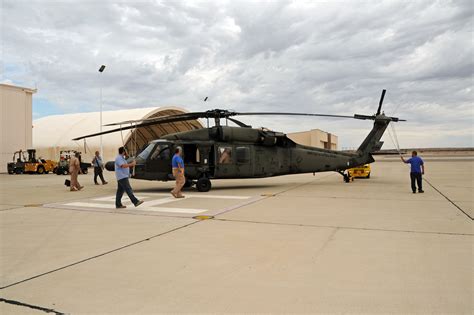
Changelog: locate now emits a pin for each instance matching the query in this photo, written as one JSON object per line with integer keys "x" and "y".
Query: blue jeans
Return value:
{"x": 124, "y": 186}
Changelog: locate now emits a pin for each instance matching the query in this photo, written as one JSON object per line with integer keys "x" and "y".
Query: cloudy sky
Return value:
{"x": 302, "y": 56}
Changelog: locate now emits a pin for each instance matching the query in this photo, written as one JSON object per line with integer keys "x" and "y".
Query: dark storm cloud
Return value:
{"x": 329, "y": 57}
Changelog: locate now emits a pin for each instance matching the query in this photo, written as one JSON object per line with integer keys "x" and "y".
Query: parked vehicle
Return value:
{"x": 18, "y": 164}
{"x": 38, "y": 166}
{"x": 362, "y": 171}
{"x": 63, "y": 164}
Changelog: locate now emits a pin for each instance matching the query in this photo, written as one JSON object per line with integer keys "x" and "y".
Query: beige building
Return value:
{"x": 315, "y": 138}
{"x": 15, "y": 121}
{"x": 52, "y": 134}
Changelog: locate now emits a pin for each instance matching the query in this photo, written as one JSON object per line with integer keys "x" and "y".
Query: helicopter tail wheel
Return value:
{"x": 203, "y": 184}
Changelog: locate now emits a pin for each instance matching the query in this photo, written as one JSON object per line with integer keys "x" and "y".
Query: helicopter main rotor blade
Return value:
{"x": 289, "y": 114}
{"x": 356, "y": 116}
{"x": 239, "y": 123}
{"x": 158, "y": 120}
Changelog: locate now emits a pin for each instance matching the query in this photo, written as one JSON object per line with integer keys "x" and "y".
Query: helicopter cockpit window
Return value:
{"x": 162, "y": 152}
{"x": 145, "y": 153}
{"x": 225, "y": 155}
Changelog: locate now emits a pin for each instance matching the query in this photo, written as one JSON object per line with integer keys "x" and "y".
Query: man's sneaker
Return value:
{"x": 121, "y": 207}
{"x": 421, "y": 191}
{"x": 105, "y": 183}
{"x": 414, "y": 191}
{"x": 139, "y": 202}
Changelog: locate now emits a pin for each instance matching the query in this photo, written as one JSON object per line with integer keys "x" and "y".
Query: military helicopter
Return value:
{"x": 220, "y": 152}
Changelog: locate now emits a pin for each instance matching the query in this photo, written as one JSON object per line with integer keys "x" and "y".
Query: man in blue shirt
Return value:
{"x": 178, "y": 172}
{"x": 122, "y": 173}
{"x": 98, "y": 168}
{"x": 417, "y": 169}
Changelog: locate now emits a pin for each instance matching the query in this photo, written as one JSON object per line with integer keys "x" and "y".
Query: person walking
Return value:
{"x": 122, "y": 173}
{"x": 98, "y": 168}
{"x": 74, "y": 168}
{"x": 417, "y": 169}
{"x": 178, "y": 172}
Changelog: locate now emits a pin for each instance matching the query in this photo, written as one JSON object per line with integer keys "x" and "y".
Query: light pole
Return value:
{"x": 101, "y": 69}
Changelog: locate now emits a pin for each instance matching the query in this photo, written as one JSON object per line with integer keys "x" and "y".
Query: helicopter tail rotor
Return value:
{"x": 381, "y": 101}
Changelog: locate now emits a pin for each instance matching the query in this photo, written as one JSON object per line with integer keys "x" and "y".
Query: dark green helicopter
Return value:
{"x": 220, "y": 152}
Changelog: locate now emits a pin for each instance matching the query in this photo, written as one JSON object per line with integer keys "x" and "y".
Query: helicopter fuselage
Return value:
{"x": 232, "y": 152}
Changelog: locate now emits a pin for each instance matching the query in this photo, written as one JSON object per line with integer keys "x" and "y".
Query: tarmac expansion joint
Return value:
{"x": 203, "y": 217}
{"x": 33, "y": 205}
{"x": 35, "y": 307}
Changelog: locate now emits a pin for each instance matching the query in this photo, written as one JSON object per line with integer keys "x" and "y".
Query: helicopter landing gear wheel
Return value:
{"x": 203, "y": 184}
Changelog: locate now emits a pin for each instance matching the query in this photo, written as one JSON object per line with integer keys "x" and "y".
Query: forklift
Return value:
{"x": 38, "y": 166}
{"x": 18, "y": 164}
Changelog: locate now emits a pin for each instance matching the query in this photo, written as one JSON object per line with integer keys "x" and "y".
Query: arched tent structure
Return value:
{"x": 52, "y": 134}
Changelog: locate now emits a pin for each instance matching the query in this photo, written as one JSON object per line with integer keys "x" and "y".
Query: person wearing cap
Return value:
{"x": 178, "y": 172}
{"x": 122, "y": 173}
{"x": 417, "y": 169}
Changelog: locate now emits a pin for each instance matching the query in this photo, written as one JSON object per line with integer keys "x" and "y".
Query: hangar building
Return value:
{"x": 15, "y": 121}
{"x": 53, "y": 134}
{"x": 315, "y": 138}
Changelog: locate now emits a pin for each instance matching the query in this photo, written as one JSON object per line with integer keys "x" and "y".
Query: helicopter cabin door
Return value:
{"x": 159, "y": 162}
{"x": 196, "y": 159}
{"x": 233, "y": 161}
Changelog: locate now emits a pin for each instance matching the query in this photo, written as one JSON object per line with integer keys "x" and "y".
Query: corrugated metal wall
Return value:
{"x": 15, "y": 122}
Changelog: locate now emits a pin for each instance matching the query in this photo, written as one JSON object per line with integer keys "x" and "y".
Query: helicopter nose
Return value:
{"x": 110, "y": 166}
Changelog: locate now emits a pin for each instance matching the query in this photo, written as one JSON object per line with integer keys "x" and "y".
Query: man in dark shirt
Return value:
{"x": 417, "y": 169}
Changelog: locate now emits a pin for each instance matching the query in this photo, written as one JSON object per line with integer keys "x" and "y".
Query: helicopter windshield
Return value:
{"x": 145, "y": 153}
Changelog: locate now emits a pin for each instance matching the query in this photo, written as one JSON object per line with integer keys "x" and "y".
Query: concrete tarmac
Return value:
{"x": 289, "y": 244}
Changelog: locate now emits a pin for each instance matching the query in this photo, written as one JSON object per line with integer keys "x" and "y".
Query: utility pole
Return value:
{"x": 101, "y": 69}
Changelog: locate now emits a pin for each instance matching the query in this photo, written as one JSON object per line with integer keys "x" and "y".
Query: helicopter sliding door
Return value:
{"x": 197, "y": 160}
{"x": 233, "y": 161}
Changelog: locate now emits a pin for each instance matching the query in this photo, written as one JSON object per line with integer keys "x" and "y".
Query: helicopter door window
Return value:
{"x": 225, "y": 155}
{"x": 242, "y": 155}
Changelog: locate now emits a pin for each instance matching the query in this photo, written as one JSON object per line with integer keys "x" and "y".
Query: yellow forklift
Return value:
{"x": 39, "y": 166}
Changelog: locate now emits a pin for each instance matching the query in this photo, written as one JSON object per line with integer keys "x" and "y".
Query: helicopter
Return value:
{"x": 224, "y": 152}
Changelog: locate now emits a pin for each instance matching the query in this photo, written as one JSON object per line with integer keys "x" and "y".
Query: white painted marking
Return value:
{"x": 112, "y": 198}
{"x": 200, "y": 196}
{"x": 143, "y": 207}
{"x": 178, "y": 210}
{"x": 160, "y": 201}
{"x": 90, "y": 205}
